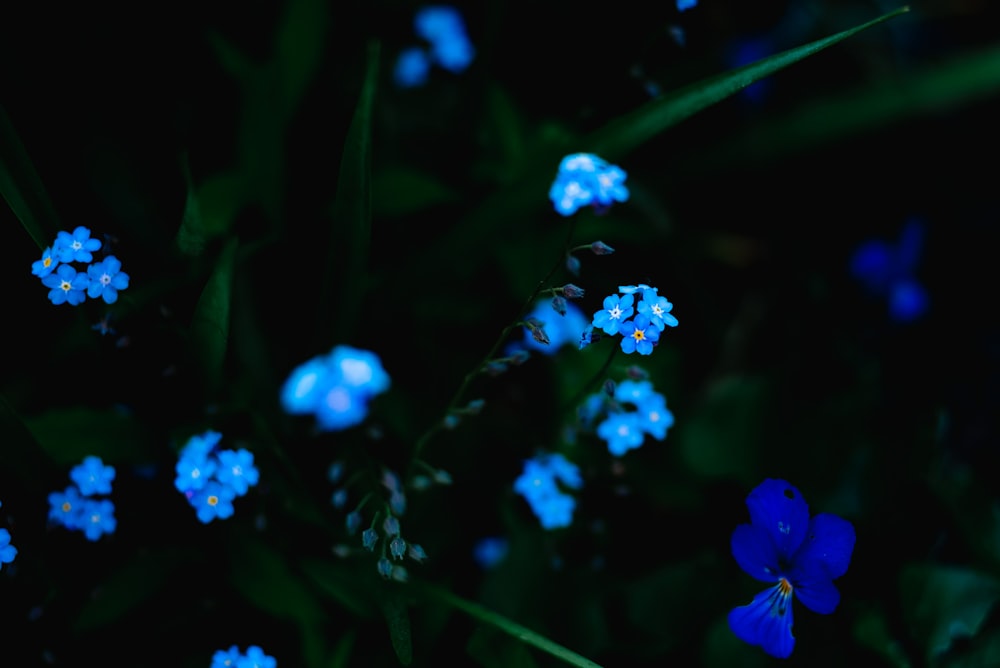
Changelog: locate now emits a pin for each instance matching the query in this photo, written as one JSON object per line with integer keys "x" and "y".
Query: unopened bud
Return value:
{"x": 601, "y": 248}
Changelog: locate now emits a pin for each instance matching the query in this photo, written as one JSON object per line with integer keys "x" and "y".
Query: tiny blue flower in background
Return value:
{"x": 490, "y": 551}
{"x": 66, "y": 508}
{"x": 538, "y": 484}
{"x": 412, "y": 68}
{"x": 97, "y": 518}
{"x": 622, "y": 432}
{"x": 799, "y": 556}
{"x": 236, "y": 470}
{"x": 212, "y": 501}
{"x": 585, "y": 179}
{"x": 92, "y": 476}
{"x": 226, "y": 658}
{"x": 210, "y": 479}
{"x": 684, "y": 5}
{"x": 888, "y": 271}
{"x": 7, "y": 551}
{"x": 233, "y": 658}
{"x": 336, "y": 388}
{"x": 67, "y": 285}
{"x": 444, "y": 28}
{"x": 46, "y": 265}
{"x": 106, "y": 279}
{"x": 75, "y": 247}
{"x": 194, "y": 469}
{"x": 637, "y": 410}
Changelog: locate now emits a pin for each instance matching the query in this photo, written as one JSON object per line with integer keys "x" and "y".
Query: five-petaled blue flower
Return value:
{"x": 106, "y": 279}
{"x": 539, "y": 484}
{"x": 67, "y": 285}
{"x": 798, "y": 555}
{"x": 92, "y": 476}
{"x": 75, "y": 247}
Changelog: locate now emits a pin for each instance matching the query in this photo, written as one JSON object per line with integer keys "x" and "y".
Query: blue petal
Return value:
{"x": 828, "y": 546}
{"x": 779, "y": 509}
{"x": 766, "y": 622}
{"x": 755, "y": 553}
{"x": 815, "y": 591}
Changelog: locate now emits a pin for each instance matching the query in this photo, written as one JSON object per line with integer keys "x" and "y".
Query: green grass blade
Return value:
{"x": 509, "y": 627}
{"x": 633, "y": 129}
{"x": 299, "y": 47}
{"x": 210, "y": 325}
{"x": 22, "y": 189}
{"x": 352, "y": 212}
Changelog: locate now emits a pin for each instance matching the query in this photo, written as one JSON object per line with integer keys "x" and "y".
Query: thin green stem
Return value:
{"x": 586, "y": 387}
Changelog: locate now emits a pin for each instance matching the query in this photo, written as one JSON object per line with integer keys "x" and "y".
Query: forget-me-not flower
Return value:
{"x": 76, "y": 246}
{"x": 798, "y": 555}
{"x": 585, "y": 179}
{"x": 46, "y": 265}
{"x": 106, "y": 279}
{"x": 92, "y": 476}
{"x": 7, "y": 551}
{"x": 67, "y": 285}
{"x": 616, "y": 310}
{"x": 412, "y": 67}
{"x": 539, "y": 483}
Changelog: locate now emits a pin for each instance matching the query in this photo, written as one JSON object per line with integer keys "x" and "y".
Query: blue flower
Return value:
{"x": 412, "y": 68}
{"x": 106, "y": 279}
{"x": 444, "y": 28}
{"x": 7, "y": 551}
{"x": 800, "y": 557}
{"x": 75, "y": 247}
{"x": 616, "y": 310}
{"x": 585, "y": 179}
{"x": 255, "y": 658}
{"x": 684, "y": 5}
{"x": 639, "y": 335}
{"x": 67, "y": 285}
{"x": 490, "y": 551}
{"x": 888, "y": 271}
{"x": 622, "y": 432}
{"x": 46, "y": 265}
{"x": 92, "y": 476}
{"x": 657, "y": 309}
{"x": 214, "y": 500}
{"x": 302, "y": 392}
{"x": 539, "y": 485}
{"x": 66, "y": 508}
{"x": 226, "y": 658}
{"x": 194, "y": 469}
{"x": 236, "y": 470}
{"x": 97, "y": 518}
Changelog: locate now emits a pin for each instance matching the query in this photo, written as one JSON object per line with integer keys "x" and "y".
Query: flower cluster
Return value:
{"x": 336, "y": 388}
{"x": 631, "y": 412}
{"x": 7, "y": 551}
{"x": 443, "y": 28}
{"x": 539, "y": 485}
{"x": 77, "y": 507}
{"x": 211, "y": 479}
{"x": 584, "y": 179}
{"x": 799, "y": 556}
{"x": 888, "y": 271}
{"x": 70, "y": 285}
{"x": 652, "y": 316}
{"x": 232, "y": 658}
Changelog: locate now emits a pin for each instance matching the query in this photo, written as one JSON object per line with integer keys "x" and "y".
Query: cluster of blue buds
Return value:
{"x": 449, "y": 46}
{"x": 629, "y": 412}
{"x": 583, "y": 180}
{"x": 642, "y": 333}
{"x": 211, "y": 479}
{"x": 889, "y": 271}
{"x": 233, "y": 658}
{"x": 68, "y": 284}
{"x": 77, "y": 508}
{"x": 7, "y": 551}
{"x": 539, "y": 484}
{"x": 336, "y": 388}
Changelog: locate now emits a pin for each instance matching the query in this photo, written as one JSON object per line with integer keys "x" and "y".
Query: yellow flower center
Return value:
{"x": 46, "y": 262}
{"x": 65, "y": 286}
{"x": 639, "y": 334}
{"x": 213, "y": 500}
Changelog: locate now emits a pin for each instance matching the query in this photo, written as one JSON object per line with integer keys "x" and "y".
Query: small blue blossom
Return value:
{"x": 444, "y": 28}
{"x": 194, "y": 469}
{"x": 585, "y": 179}
{"x": 302, "y": 392}
{"x": 684, "y": 5}
{"x": 212, "y": 501}
{"x": 92, "y": 476}
{"x": 798, "y": 555}
{"x": 255, "y": 658}
{"x": 7, "y": 551}
{"x": 490, "y": 551}
{"x": 97, "y": 518}
{"x": 412, "y": 68}
{"x": 889, "y": 271}
{"x": 639, "y": 336}
{"x": 538, "y": 484}
{"x": 657, "y": 309}
{"x": 67, "y": 286}
{"x": 46, "y": 265}
{"x": 226, "y": 658}
{"x": 66, "y": 508}
{"x": 236, "y": 470}
{"x": 616, "y": 310}
{"x": 622, "y": 432}
{"x": 106, "y": 279}
{"x": 75, "y": 247}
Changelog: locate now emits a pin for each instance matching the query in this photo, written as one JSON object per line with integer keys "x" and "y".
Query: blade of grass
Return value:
{"x": 21, "y": 187}
{"x": 500, "y": 622}
{"x": 210, "y": 325}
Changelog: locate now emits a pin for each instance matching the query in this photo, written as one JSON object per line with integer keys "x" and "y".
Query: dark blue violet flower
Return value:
{"x": 797, "y": 555}
{"x": 889, "y": 270}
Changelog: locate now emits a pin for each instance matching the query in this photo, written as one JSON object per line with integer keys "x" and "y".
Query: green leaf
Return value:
{"x": 396, "y": 615}
{"x": 129, "y": 586}
{"x": 639, "y": 126}
{"x": 299, "y": 48}
{"x": 210, "y": 325}
{"x": 352, "y": 211}
{"x": 264, "y": 578}
{"x": 397, "y": 191}
{"x": 22, "y": 189}
{"x": 209, "y": 210}
{"x": 943, "y": 603}
{"x": 342, "y": 584}
{"x": 22, "y": 451}
{"x": 69, "y": 434}
{"x": 871, "y": 630}
{"x": 486, "y": 616}
{"x": 493, "y": 649}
